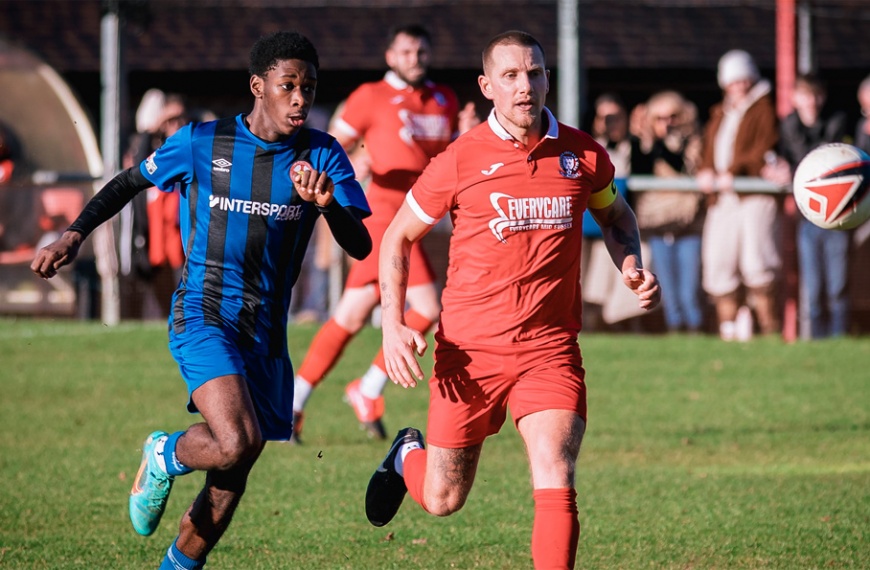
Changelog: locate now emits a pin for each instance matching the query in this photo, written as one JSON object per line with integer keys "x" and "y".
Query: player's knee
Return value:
{"x": 238, "y": 448}
{"x": 352, "y": 323}
{"x": 430, "y": 312}
{"x": 445, "y": 503}
{"x": 555, "y": 474}
{"x": 426, "y": 306}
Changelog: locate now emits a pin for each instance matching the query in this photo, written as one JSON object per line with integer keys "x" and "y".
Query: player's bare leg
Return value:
{"x": 424, "y": 299}
{"x": 226, "y": 445}
{"x": 355, "y": 306}
{"x": 230, "y": 434}
{"x": 438, "y": 479}
{"x": 210, "y": 514}
{"x": 449, "y": 477}
{"x": 553, "y": 439}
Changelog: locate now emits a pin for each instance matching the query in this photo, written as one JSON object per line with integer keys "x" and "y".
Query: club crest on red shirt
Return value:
{"x": 569, "y": 165}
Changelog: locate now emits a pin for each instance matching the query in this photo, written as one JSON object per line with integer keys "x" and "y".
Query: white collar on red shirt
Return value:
{"x": 393, "y": 80}
{"x": 552, "y": 126}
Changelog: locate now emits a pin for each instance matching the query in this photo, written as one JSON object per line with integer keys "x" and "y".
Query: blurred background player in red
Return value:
{"x": 405, "y": 120}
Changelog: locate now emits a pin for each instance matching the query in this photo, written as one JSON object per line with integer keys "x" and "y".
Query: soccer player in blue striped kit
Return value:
{"x": 252, "y": 187}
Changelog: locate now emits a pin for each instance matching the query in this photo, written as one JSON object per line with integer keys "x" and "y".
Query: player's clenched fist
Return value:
{"x": 645, "y": 285}
{"x": 313, "y": 186}
{"x": 56, "y": 254}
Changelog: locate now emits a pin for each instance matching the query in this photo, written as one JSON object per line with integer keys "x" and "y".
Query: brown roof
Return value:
{"x": 217, "y": 34}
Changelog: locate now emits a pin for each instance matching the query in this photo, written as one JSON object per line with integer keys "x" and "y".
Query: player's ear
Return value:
{"x": 257, "y": 86}
{"x": 390, "y": 58}
{"x": 485, "y": 86}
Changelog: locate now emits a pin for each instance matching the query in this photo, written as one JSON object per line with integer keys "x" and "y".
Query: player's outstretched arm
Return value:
{"x": 102, "y": 207}
{"x": 400, "y": 341}
{"x": 622, "y": 238}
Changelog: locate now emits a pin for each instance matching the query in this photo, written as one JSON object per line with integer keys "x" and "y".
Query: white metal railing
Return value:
{"x": 744, "y": 184}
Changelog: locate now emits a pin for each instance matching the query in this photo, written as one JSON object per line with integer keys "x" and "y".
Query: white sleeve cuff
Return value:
{"x": 340, "y": 125}
{"x": 409, "y": 198}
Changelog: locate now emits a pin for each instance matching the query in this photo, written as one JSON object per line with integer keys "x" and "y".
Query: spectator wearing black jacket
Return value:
{"x": 822, "y": 254}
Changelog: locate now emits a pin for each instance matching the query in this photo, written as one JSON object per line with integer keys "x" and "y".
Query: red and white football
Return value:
{"x": 832, "y": 186}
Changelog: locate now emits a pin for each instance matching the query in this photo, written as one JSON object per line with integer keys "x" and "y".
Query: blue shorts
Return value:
{"x": 207, "y": 352}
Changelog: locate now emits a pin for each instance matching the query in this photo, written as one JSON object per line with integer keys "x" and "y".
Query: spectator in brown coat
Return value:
{"x": 740, "y": 253}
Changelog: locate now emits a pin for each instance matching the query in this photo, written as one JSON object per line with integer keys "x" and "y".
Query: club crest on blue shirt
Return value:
{"x": 569, "y": 165}
{"x": 150, "y": 165}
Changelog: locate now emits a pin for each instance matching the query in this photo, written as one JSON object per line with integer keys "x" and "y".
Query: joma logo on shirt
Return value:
{"x": 526, "y": 214}
{"x": 281, "y": 212}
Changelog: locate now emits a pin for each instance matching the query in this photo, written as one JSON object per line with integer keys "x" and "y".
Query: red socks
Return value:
{"x": 556, "y": 530}
{"x": 324, "y": 352}
{"x": 414, "y": 469}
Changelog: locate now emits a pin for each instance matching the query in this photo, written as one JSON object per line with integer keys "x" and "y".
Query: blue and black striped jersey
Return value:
{"x": 244, "y": 228}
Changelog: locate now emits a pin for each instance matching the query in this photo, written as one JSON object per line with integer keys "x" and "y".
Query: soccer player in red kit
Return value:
{"x": 404, "y": 120}
{"x": 515, "y": 188}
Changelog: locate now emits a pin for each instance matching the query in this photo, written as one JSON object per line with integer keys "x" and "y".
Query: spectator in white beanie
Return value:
{"x": 150, "y": 111}
{"x": 737, "y": 65}
{"x": 740, "y": 252}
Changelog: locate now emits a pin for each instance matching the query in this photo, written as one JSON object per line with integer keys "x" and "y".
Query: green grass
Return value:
{"x": 698, "y": 455}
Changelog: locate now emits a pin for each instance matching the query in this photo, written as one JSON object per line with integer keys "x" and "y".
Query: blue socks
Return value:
{"x": 173, "y": 465}
{"x": 175, "y": 560}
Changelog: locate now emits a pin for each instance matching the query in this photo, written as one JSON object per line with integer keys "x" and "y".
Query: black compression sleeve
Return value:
{"x": 109, "y": 200}
{"x": 347, "y": 228}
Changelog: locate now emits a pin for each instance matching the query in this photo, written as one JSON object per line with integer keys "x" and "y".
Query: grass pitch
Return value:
{"x": 699, "y": 454}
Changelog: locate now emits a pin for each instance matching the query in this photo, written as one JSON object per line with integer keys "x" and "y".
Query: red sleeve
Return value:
{"x": 434, "y": 192}
{"x": 357, "y": 110}
{"x": 600, "y": 167}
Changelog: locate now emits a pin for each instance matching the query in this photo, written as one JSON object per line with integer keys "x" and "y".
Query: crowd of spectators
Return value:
{"x": 719, "y": 252}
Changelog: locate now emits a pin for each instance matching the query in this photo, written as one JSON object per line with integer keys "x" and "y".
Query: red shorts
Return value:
{"x": 384, "y": 204}
{"x": 471, "y": 389}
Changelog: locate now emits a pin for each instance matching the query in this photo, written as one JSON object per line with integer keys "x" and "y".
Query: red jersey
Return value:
{"x": 6, "y": 168}
{"x": 514, "y": 269}
{"x": 403, "y": 126}
{"x": 164, "y": 231}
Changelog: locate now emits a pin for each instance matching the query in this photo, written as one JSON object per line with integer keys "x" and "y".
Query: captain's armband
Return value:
{"x": 604, "y": 197}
